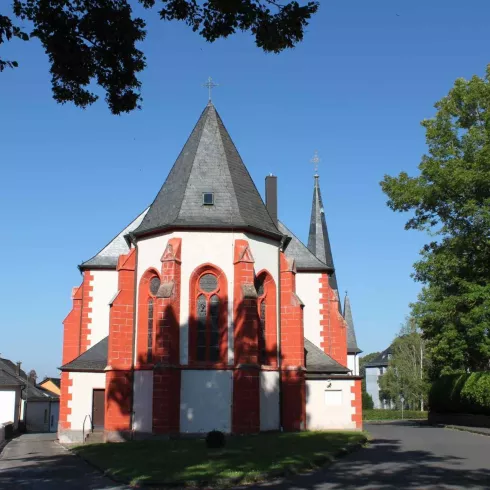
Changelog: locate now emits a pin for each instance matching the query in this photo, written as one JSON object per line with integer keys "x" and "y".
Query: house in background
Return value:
{"x": 374, "y": 370}
{"x": 41, "y": 409}
{"x": 22, "y": 401}
{"x": 11, "y": 387}
{"x": 51, "y": 384}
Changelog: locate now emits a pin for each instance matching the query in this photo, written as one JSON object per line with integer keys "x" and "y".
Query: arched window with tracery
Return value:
{"x": 208, "y": 336}
{"x": 148, "y": 289}
{"x": 267, "y": 325}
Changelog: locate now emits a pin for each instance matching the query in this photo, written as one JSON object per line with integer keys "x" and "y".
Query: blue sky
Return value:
{"x": 355, "y": 89}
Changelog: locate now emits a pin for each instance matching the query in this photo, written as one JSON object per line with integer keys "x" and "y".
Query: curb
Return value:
{"x": 318, "y": 463}
{"x": 2, "y": 446}
{"x": 472, "y": 430}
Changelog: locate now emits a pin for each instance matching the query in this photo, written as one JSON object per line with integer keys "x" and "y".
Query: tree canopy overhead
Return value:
{"x": 450, "y": 199}
{"x": 95, "y": 41}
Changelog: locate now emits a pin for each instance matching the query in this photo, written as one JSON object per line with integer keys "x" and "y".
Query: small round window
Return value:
{"x": 154, "y": 285}
{"x": 208, "y": 283}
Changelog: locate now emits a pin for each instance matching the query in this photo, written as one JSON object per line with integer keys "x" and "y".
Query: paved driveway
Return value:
{"x": 407, "y": 456}
{"x": 400, "y": 456}
{"x": 38, "y": 462}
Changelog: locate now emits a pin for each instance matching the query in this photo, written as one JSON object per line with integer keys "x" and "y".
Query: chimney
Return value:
{"x": 271, "y": 196}
{"x": 17, "y": 371}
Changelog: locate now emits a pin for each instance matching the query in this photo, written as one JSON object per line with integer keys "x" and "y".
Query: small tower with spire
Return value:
{"x": 318, "y": 241}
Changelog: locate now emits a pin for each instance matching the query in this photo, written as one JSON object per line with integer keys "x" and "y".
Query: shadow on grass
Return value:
{"x": 244, "y": 459}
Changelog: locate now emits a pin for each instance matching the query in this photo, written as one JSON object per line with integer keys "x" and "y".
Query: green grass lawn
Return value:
{"x": 246, "y": 458}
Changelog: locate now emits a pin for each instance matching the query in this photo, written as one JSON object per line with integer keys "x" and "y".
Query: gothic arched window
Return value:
{"x": 267, "y": 328}
{"x": 208, "y": 322}
{"x": 147, "y": 316}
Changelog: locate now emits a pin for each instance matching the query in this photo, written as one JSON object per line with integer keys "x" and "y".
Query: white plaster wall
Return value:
{"x": 353, "y": 363}
{"x": 269, "y": 400}
{"x": 199, "y": 248}
{"x": 205, "y": 401}
{"x": 104, "y": 286}
{"x": 8, "y": 406}
{"x": 320, "y": 416}
{"x": 82, "y": 394}
{"x": 308, "y": 289}
{"x": 143, "y": 401}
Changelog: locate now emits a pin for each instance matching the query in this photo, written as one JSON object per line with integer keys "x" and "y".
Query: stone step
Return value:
{"x": 94, "y": 437}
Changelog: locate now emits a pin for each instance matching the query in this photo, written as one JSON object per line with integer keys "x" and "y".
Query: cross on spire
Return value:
{"x": 316, "y": 160}
{"x": 210, "y": 85}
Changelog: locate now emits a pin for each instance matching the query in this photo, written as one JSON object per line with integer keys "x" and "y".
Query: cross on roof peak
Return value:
{"x": 316, "y": 160}
{"x": 210, "y": 85}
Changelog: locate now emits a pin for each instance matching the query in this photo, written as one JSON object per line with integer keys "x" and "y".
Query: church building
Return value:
{"x": 207, "y": 312}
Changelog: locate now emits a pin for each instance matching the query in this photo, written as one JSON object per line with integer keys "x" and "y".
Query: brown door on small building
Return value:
{"x": 98, "y": 409}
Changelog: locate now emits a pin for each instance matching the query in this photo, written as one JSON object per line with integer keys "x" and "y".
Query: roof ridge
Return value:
{"x": 220, "y": 122}
{"x": 210, "y": 105}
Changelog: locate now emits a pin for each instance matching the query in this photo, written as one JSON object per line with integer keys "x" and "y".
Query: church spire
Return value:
{"x": 318, "y": 241}
{"x": 352, "y": 347}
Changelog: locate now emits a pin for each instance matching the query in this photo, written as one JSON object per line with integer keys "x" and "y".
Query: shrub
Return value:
{"x": 367, "y": 401}
{"x": 461, "y": 393}
{"x": 215, "y": 439}
{"x": 379, "y": 414}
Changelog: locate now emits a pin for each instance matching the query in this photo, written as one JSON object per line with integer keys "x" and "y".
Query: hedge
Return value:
{"x": 461, "y": 393}
{"x": 379, "y": 414}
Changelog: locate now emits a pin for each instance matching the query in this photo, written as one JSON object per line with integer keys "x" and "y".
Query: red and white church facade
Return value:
{"x": 207, "y": 312}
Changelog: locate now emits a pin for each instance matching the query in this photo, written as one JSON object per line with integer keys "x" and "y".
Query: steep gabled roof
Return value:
{"x": 352, "y": 347}
{"x": 296, "y": 250}
{"x": 208, "y": 163}
{"x": 319, "y": 362}
{"x": 318, "y": 241}
{"x": 8, "y": 377}
{"x": 93, "y": 359}
{"x": 382, "y": 360}
{"x": 107, "y": 257}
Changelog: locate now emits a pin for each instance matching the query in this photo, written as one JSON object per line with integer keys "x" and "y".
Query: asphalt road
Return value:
{"x": 38, "y": 462}
{"x": 400, "y": 456}
{"x": 406, "y": 456}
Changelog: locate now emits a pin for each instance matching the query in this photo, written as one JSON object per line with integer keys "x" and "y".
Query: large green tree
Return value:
{"x": 450, "y": 199}
{"x": 94, "y": 42}
{"x": 407, "y": 373}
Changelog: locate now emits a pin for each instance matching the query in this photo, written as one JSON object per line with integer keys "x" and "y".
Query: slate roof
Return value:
{"x": 382, "y": 360}
{"x": 7, "y": 376}
{"x": 12, "y": 367}
{"x": 318, "y": 241}
{"x": 108, "y": 256}
{"x": 208, "y": 162}
{"x": 319, "y": 362}
{"x": 37, "y": 393}
{"x": 296, "y": 250}
{"x": 352, "y": 347}
{"x": 93, "y": 359}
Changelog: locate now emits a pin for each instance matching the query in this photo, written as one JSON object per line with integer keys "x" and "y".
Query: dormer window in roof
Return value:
{"x": 208, "y": 198}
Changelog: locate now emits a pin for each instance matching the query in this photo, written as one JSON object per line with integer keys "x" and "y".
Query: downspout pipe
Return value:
{"x": 133, "y": 240}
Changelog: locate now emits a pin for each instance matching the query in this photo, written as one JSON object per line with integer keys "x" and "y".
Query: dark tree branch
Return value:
{"x": 91, "y": 41}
